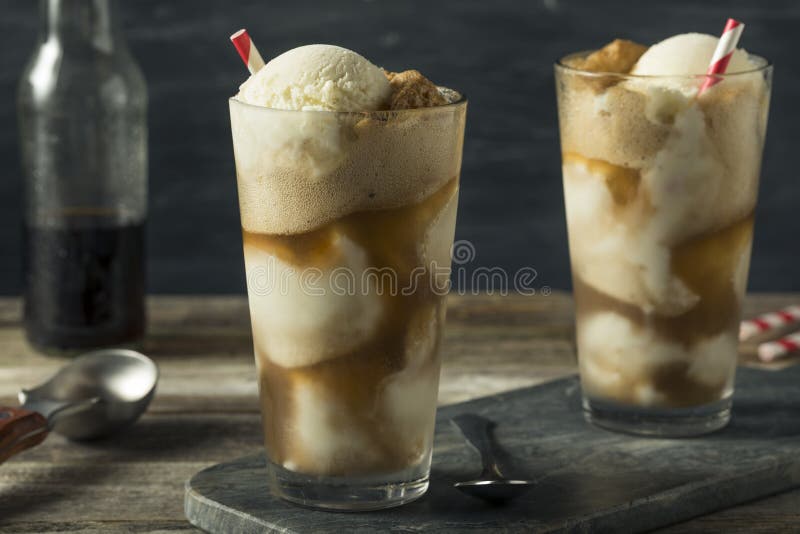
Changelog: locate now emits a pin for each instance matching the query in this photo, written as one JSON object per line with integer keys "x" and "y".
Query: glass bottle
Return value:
{"x": 82, "y": 109}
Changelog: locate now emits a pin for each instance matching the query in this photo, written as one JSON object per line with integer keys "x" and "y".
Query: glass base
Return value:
{"x": 347, "y": 494}
{"x": 658, "y": 422}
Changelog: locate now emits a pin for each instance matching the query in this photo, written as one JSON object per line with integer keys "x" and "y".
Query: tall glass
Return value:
{"x": 660, "y": 188}
{"x": 348, "y": 222}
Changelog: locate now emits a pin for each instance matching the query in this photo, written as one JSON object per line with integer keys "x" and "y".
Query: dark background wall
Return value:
{"x": 499, "y": 52}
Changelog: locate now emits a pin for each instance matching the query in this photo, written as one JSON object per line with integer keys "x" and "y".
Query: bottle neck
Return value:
{"x": 80, "y": 22}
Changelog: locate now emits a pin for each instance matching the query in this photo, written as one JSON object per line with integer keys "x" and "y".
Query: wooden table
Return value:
{"x": 206, "y": 410}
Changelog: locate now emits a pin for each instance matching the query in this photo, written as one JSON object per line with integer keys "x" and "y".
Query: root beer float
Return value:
{"x": 660, "y": 186}
{"x": 348, "y": 187}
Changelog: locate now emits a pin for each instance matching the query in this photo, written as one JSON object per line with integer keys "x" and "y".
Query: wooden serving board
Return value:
{"x": 591, "y": 479}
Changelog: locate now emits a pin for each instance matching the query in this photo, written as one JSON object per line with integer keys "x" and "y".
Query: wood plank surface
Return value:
{"x": 206, "y": 410}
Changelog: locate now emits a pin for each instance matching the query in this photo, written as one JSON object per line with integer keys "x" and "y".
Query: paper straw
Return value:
{"x": 247, "y": 50}
{"x": 769, "y": 322}
{"x": 772, "y": 350}
{"x": 722, "y": 55}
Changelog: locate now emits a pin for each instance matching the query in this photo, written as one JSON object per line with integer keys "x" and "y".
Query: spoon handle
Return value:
{"x": 20, "y": 429}
{"x": 476, "y": 430}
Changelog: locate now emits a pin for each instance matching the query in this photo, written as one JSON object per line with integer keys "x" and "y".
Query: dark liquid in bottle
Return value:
{"x": 84, "y": 283}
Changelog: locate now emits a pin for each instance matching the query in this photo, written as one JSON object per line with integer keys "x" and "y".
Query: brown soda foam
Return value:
{"x": 299, "y": 171}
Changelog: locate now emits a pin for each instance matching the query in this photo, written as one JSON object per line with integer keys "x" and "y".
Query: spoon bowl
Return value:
{"x": 494, "y": 491}
{"x": 491, "y": 485}
{"x": 96, "y": 394}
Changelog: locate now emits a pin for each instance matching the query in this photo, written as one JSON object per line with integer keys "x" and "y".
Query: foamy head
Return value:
{"x": 652, "y": 125}
{"x": 298, "y": 170}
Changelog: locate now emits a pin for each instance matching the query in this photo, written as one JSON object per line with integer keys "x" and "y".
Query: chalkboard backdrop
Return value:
{"x": 498, "y": 52}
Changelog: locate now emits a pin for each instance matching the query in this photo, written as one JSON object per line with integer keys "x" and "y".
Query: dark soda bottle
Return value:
{"x": 82, "y": 105}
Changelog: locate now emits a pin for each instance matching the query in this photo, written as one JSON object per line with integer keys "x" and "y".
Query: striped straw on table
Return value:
{"x": 773, "y": 350}
{"x": 768, "y": 322}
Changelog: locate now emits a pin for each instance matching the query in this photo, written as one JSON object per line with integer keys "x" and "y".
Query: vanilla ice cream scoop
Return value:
{"x": 318, "y": 77}
{"x": 686, "y": 54}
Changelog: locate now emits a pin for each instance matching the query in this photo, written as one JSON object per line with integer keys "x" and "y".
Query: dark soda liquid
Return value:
{"x": 84, "y": 283}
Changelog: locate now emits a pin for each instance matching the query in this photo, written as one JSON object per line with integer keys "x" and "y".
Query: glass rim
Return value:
{"x": 460, "y": 102}
{"x": 763, "y": 65}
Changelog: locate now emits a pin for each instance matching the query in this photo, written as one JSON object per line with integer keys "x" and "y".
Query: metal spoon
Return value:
{"x": 491, "y": 485}
{"x": 94, "y": 395}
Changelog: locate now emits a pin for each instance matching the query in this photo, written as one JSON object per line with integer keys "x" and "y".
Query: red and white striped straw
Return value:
{"x": 247, "y": 50}
{"x": 774, "y": 350}
{"x": 769, "y": 322}
{"x": 722, "y": 55}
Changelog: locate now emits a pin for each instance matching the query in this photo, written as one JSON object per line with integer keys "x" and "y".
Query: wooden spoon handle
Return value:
{"x": 20, "y": 430}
